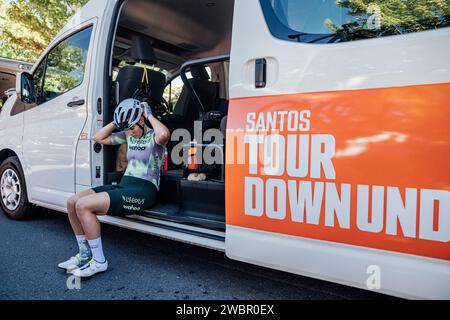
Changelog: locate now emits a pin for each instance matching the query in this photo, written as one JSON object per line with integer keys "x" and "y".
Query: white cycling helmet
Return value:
{"x": 127, "y": 113}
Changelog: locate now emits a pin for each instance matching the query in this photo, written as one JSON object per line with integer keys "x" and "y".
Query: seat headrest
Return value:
{"x": 129, "y": 79}
{"x": 142, "y": 50}
{"x": 199, "y": 72}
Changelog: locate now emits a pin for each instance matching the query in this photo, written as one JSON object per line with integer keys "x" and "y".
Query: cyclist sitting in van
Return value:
{"x": 135, "y": 192}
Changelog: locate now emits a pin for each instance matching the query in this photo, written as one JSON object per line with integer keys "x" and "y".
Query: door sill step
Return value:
{"x": 170, "y": 230}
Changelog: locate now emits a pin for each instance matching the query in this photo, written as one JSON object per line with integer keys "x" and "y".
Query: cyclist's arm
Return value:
{"x": 162, "y": 134}
{"x": 103, "y": 136}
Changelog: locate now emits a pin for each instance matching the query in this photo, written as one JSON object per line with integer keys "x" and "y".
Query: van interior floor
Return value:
{"x": 195, "y": 203}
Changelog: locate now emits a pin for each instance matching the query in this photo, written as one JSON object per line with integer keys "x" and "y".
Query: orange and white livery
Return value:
{"x": 346, "y": 162}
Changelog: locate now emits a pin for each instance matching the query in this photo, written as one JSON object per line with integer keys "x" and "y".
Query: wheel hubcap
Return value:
{"x": 10, "y": 189}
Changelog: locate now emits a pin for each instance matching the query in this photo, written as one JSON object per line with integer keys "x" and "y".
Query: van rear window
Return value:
{"x": 332, "y": 21}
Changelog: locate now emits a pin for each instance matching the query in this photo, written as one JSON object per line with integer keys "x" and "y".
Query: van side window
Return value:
{"x": 331, "y": 21}
{"x": 172, "y": 92}
{"x": 66, "y": 65}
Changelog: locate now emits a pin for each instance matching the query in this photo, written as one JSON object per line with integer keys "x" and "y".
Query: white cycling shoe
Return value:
{"x": 90, "y": 268}
{"x": 73, "y": 263}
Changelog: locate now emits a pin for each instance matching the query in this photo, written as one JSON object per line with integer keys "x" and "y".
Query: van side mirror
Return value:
{"x": 25, "y": 88}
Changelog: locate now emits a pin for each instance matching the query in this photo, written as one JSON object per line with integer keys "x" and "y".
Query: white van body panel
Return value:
{"x": 83, "y": 164}
{"x": 11, "y": 127}
{"x": 292, "y": 68}
{"x": 399, "y": 274}
{"x": 11, "y": 131}
{"x": 302, "y": 67}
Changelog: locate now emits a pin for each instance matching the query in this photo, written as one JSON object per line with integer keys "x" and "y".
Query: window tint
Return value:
{"x": 328, "y": 21}
{"x": 66, "y": 65}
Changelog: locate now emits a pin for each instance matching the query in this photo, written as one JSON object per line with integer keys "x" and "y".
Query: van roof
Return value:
{"x": 88, "y": 11}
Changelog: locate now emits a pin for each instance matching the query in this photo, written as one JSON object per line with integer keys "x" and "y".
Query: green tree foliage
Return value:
{"x": 28, "y": 26}
{"x": 395, "y": 16}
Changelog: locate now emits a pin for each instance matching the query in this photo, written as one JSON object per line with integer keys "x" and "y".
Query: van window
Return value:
{"x": 66, "y": 65}
{"x": 173, "y": 90}
{"x": 330, "y": 21}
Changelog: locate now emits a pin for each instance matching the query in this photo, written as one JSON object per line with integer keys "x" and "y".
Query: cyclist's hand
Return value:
{"x": 147, "y": 109}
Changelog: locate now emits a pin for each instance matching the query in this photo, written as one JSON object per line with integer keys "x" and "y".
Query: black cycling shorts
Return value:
{"x": 132, "y": 195}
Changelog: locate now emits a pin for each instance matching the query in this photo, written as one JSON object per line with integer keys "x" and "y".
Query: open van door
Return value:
{"x": 64, "y": 80}
{"x": 52, "y": 126}
{"x": 337, "y": 145}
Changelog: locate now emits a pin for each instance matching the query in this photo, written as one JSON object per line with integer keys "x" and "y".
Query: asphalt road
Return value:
{"x": 141, "y": 267}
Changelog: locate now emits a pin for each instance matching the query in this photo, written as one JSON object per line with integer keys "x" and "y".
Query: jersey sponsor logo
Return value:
{"x": 136, "y": 148}
{"x": 139, "y": 144}
{"x": 367, "y": 167}
{"x": 142, "y": 141}
{"x": 133, "y": 200}
{"x": 131, "y": 207}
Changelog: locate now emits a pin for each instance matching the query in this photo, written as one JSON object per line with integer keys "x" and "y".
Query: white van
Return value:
{"x": 337, "y": 137}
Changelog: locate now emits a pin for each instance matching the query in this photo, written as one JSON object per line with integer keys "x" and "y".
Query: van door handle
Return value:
{"x": 260, "y": 73}
{"x": 76, "y": 103}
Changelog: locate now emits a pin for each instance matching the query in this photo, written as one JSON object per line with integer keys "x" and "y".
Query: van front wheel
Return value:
{"x": 13, "y": 192}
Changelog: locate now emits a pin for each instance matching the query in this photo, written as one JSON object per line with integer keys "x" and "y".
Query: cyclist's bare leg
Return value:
{"x": 72, "y": 214}
{"x": 87, "y": 208}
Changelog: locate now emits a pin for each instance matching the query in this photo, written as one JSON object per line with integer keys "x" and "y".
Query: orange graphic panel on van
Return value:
{"x": 361, "y": 167}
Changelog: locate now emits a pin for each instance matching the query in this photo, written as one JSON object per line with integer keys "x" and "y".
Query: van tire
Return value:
{"x": 20, "y": 208}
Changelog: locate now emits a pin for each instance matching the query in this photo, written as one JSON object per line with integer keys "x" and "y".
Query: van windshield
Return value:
{"x": 343, "y": 20}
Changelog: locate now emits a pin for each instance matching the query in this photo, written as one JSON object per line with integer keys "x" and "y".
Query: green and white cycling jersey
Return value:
{"x": 145, "y": 156}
